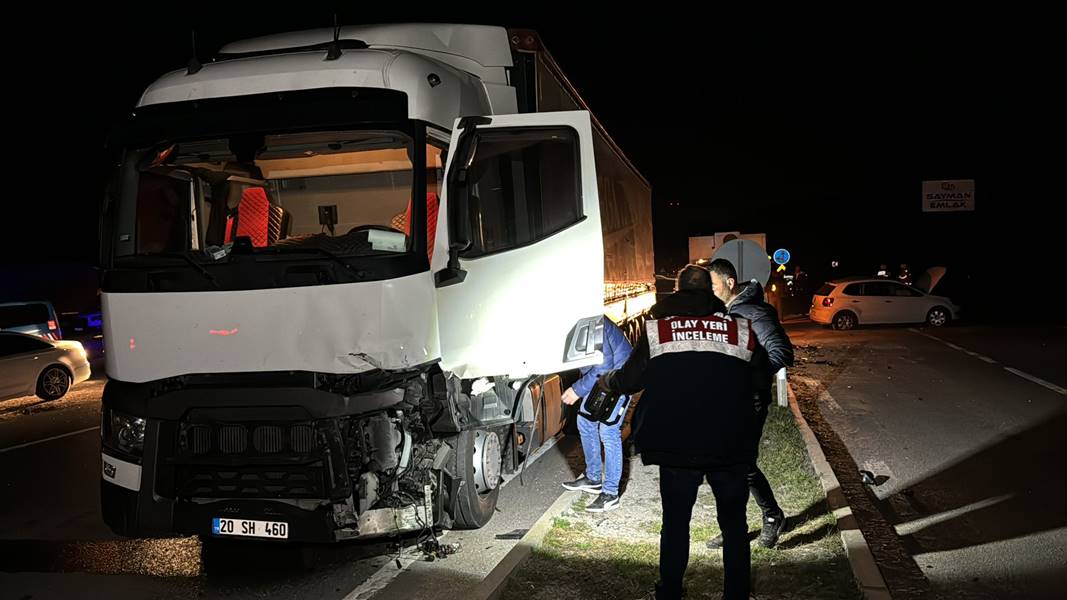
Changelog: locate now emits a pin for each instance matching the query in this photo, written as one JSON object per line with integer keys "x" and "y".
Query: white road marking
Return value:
{"x": 954, "y": 346}
{"x": 1038, "y": 381}
{"x": 826, "y": 398}
{"x": 1052, "y": 386}
{"x": 48, "y": 439}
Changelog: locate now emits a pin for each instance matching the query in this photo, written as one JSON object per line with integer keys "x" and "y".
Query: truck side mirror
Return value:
{"x": 459, "y": 230}
{"x": 459, "y": 223}
{"x": 459, "y": 216}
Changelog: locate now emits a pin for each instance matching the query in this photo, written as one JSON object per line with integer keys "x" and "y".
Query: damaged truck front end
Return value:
{"x": 274, "y": 360}
{"x": 305, "y": 456}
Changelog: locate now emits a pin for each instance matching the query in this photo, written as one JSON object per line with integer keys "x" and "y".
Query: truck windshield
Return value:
{"x": 347, "y": 193}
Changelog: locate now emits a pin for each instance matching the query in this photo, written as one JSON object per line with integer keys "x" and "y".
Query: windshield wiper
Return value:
{"x": 185, "y": 256}
{"x": 323, "y": 252}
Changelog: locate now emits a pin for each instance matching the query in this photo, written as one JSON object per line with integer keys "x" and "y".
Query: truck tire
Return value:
{"x": 474, "y": 506}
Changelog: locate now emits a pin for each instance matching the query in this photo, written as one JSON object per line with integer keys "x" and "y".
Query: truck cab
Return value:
{"x": 330, "y": 294}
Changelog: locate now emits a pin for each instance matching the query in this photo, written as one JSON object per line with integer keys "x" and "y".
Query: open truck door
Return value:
{"x": 518, "y": 259}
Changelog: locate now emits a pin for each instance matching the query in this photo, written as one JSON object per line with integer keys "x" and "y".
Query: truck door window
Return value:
{"x": 524, "y": 186}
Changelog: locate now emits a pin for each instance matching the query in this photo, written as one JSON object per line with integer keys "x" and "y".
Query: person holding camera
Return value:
{"x": 601, "y": 476}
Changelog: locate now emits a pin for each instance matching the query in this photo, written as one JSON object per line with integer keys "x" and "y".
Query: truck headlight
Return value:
{"x": 124, "y": 432}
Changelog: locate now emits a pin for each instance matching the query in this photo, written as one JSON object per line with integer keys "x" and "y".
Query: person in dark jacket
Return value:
{"x": 774, "y": 351}
{"x": 694, "y": 420}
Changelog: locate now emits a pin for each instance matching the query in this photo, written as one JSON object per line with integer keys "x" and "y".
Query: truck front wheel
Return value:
{"x": 478, "y": 459}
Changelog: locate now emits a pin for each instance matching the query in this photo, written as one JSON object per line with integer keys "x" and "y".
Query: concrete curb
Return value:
{"x": 864, "y": 569}
{"x": 492, "y": 587}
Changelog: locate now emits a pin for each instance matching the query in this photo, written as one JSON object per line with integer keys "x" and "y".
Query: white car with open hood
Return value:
{"x": 846, "y": 303}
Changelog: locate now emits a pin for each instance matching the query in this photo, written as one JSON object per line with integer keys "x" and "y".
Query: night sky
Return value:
{"x": 815, "y": 132}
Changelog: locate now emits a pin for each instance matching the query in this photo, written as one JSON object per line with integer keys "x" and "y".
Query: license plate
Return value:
{"x": 246, "y": 528}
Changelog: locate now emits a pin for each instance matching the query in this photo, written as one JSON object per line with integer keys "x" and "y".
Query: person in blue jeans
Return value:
{"x": 601, "y": 477}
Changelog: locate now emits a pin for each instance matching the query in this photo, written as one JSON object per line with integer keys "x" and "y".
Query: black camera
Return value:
{"x": 601, "y": 404}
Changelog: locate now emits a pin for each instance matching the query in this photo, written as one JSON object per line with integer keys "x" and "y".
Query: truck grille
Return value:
{"x": 195, "y": 481}
{"x": 232, "y": 439}
{"x": 272, "y": 459}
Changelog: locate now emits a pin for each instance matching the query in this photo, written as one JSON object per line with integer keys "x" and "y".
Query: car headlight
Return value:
{"x": 124, "y": 432}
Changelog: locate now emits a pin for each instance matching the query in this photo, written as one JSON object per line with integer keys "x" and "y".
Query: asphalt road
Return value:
{"x": 962, "y": 428}
{"x": 53, "y": 543}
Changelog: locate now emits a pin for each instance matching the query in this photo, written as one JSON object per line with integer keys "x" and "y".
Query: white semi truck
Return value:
{"x": 344, "y": 269}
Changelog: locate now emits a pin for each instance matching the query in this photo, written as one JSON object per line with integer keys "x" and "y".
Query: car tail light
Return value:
{"x": 828, "y": 302}
{"x": 52, "y": 325}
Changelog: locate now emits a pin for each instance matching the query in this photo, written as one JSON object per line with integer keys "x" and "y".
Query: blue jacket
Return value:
{"x": 616, "y": 350}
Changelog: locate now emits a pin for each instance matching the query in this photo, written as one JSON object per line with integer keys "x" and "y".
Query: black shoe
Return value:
{"x": 603, "y": 503}
{"x": 715, "y": 543}
{"x": 773, "y": 526}
{"x": 583, "y": 484}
